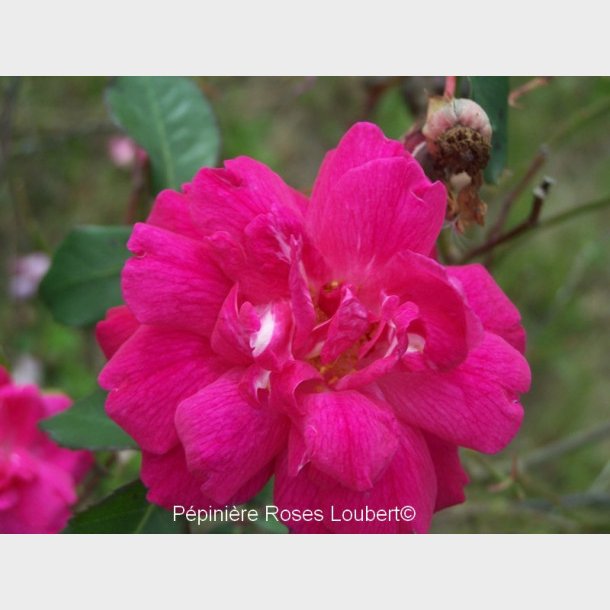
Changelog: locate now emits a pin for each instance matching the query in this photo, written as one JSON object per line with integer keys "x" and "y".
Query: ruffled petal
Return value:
{"x": 409, "y": 480}
{"x": 494, "y": 308}
{"x": 449, "y": 327}
{"x": 228, "y": 199}
{"x": 226, "y": 439}
{"x": 169, "y": 481}
{"x": 450, "y": 475}
{"x": 21, "y": 407}
{"x": 244, "y": 333}
{"x": 42, "y": 504}
{"x": 233, "y": 328}
{"x": 347, "y": 325}
{"x": 362, "y": 143}
{"x": 118, "y": 325}
{"x": 150, "y": 375}
{"x": 374, "y": 211}
{"x": 172, "y": 281}
{"x": 171, "y": 211}
{"x": 288, "y": 385}
{"x": 349, "y": 437}
{"x": 474, "y": 405}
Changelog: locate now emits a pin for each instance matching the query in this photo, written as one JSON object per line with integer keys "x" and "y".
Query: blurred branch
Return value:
{"x": 602, "y": 481}
{"x": 574, "y": 212}
{"x": 528, "y": 224}
{"x": 578, "y": 119}
{"x": 571, "y": 443}
{"x": 52, "y": 139}
{"x": 571, "y": 501}
{"x": 530, "y": 85}
{"x": 586, "y": 208}
{"x": 481, "y": 469}
{"x": 6, "y": 121}
{"x": 509, "y": 199}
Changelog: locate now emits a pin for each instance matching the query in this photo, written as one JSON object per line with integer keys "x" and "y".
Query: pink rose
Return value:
{"x": 314, "y": 340}
{"x": 37, "y": 477}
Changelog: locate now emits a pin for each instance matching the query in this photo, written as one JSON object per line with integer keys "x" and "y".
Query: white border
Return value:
{"x": 490, "y": 571}
{"x": 279, "y": 37}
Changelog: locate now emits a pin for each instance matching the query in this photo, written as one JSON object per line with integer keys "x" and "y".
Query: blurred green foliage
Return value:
{"x": 56, "y": 173}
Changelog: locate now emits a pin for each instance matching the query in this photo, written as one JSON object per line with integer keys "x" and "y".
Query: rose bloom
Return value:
{"x": 315, "y": 340}
{"x": 37, "y": 477}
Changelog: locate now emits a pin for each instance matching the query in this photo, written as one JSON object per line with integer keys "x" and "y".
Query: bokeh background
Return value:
{"x": 56, "y": 172}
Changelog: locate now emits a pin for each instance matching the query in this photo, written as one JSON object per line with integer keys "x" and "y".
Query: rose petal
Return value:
{"x": 472, "y": 406}
{"x": 172, "y": 281}
{"x": 348, "y": 437}
{"x": 149, "y": 376}
{"x": 226, "y": 440}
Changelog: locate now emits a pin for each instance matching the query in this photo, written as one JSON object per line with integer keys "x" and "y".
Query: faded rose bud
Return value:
{"x": 458, "y": 135}
{"x": 443, "y": 115}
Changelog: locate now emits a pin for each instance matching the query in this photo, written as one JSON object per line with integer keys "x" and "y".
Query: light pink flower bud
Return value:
{"x": 122, "y": 151}
{"x": 26, "y": 273}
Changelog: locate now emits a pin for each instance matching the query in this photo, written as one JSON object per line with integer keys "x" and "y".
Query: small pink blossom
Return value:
{"x": 124, "y": 152}
{"x": 313, "y": 340}
{"x": 37, "y": 477}
{"x": 26, "y": 272}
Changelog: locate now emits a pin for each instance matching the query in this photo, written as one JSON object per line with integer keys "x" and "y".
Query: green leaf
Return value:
{"x": 171, "y": 120}
{"x": 85, "y": 425}
{"x": 491, "y": 93}
{"x": 126, "y": 511}
{"x": 84, "y": 278}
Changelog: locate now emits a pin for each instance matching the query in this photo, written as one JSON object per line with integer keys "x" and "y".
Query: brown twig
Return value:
{"x": 530, "y": 85}
{"x": 509, "y": 199}
{"x": 592, "y": 206}
{"x": 540, "y": 194}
